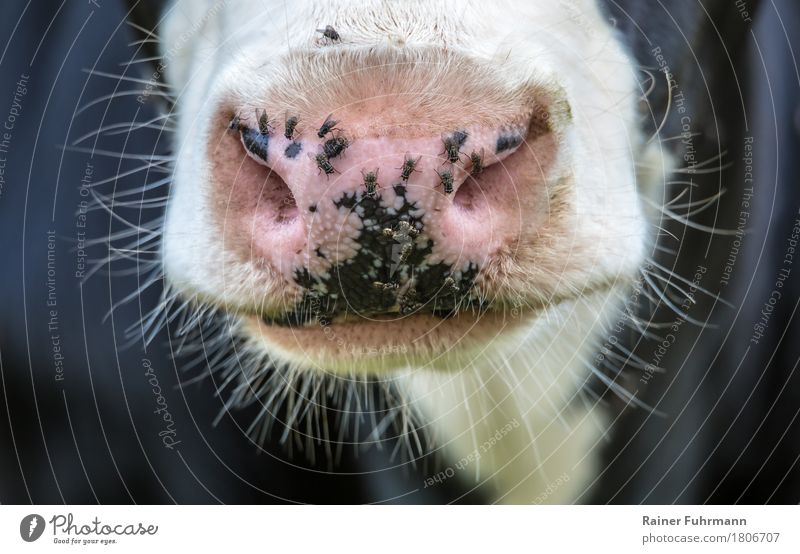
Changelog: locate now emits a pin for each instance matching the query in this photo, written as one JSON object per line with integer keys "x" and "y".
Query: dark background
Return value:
{"x": 729, "y": 430}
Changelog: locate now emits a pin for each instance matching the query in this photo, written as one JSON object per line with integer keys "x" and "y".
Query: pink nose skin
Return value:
{"x": 371, "y": 225}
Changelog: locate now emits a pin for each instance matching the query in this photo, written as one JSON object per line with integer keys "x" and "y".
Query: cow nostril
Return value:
{"x": 468, "y": 195}
{"x": 273, "y": 199}
{"x": 475, "y": 192}
{"x": 288, "y": 210}
{"x": 276, "y": 199}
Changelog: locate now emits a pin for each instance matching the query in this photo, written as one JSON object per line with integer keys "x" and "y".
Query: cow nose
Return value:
{"x": 363, "y": 221}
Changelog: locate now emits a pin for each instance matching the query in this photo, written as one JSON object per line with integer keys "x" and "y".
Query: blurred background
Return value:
{"x": 79, "y": 422}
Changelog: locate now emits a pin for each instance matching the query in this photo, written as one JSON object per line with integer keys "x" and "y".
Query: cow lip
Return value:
{"x": 388, "y": 341}
{"x": 393, "y": 315}
{"x": 401, "y": 339}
